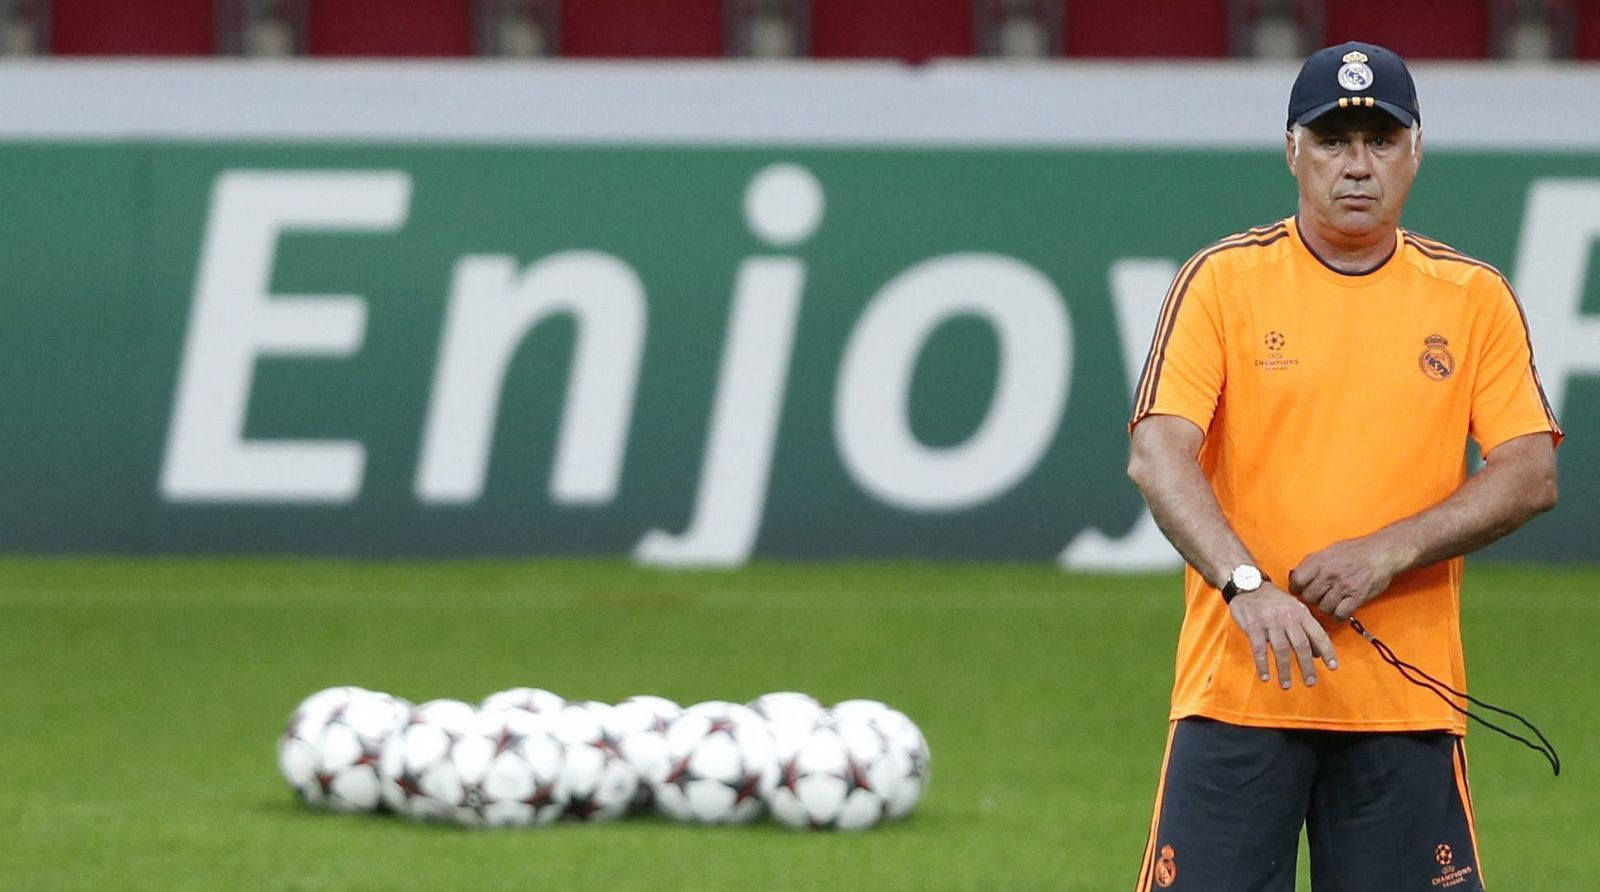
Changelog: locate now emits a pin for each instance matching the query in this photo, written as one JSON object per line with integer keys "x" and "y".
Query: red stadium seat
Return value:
{"x": 1147, "y": 28}
{"x": 1416, "y": 29}
{"x": 1586, "y": 29}
{"x": 133, "y": 27}
{"x": 911, "y": 30}
{"x": 635, "y": 29}
{"x": 389, "y": 28}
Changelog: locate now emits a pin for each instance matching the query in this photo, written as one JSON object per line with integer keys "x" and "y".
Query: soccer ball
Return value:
{"x": 904, "y": 735}
{"x": 840, "y": 778}
{"x": 721, "y": 764}
{"x": 597, "y": 783}
{"x": 420, "y": 776}
{"x": 535, "y": 700}
{"x": 520, "y": 787}
{"x": 329, "y": 751}
{"x": 790, "y": 716}
{"x": 639, "y": 725}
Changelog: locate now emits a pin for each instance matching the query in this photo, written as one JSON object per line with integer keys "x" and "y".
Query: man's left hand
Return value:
{"x": 1340, "y": 578}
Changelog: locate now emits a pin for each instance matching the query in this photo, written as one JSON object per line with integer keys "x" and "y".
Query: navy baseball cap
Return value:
{"x": 1353, "y": 75}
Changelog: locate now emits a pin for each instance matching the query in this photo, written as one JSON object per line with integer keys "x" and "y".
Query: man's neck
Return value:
{"x": 1353, "y": 256}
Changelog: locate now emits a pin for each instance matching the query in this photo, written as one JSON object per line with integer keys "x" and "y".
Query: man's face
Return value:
{"x": 1355, "y": 168}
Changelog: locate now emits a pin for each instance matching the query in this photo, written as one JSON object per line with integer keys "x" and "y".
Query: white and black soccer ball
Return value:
{"x": 722, "y": 765}
{"x": 521, "y": 783}
{"x": 791, "y": 716}
{"x": 840, "y": 778}
{"x": 329, "y": 750}
{"x": 421, "y": 777}
{"x": 904, "y": 734}
{"x": 639, "y": 725}
{"x": 535, "y": 700}
{"x": 597, "y": 783}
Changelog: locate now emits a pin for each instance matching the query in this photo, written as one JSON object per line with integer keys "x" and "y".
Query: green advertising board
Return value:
{"x": 692, "y": 354}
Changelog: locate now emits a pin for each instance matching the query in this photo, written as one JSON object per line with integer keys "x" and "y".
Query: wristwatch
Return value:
{"x": 1244, "y": 578}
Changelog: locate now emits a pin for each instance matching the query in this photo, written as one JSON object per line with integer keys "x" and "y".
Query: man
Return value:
{"x": 1300, "y": 434}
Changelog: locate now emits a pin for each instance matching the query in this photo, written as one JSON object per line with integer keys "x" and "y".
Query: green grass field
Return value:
{"x": 141, "y": 700}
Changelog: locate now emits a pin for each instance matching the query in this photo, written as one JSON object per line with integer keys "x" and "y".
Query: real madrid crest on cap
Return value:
{"x": 1354, "y": 74}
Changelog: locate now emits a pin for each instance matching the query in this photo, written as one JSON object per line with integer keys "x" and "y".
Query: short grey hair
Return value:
{"x": 1415, "y": 128}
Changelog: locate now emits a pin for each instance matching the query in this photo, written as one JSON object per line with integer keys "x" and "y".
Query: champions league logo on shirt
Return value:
{"x": 1276, "y": 361}
{"x": 1355, "y": 74}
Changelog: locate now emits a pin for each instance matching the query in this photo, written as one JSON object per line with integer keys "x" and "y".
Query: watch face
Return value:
{"x": 1247, "y": 579}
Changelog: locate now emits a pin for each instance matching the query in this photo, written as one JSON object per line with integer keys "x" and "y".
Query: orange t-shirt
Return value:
{"x": 1333, "y": 405}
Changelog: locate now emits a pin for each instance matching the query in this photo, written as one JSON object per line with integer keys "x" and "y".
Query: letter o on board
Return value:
{"x": 872, "y": 426}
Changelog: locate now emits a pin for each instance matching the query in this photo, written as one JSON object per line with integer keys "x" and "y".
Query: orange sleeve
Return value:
{"x": 1184, "y": 373}
{"x": 1507, "y": 399}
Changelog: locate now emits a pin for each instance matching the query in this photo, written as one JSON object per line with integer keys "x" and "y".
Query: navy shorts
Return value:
{"x": 1389, "y": 812}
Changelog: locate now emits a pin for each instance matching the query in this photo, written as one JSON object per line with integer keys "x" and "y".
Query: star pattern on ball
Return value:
{"x": 856, "y": 777}
{"x": 681, "y": 775}
{"x": 409, "y": 784}
{"x": 543, "y": 795}
{"x": 583, "y": 807}
{"x": 746, "y": 788}
{"x": 789, "y": 776}
{"x": 473, "y": 797}
{"x": 508, "y": 740}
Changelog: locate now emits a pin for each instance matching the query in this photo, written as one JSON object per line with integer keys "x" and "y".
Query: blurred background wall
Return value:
{"x": 692, "y": 281}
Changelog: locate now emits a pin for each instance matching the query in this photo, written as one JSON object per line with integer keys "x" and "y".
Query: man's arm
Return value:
{"x": 1517, "y": 483}
{"x": 1163, "y": 463}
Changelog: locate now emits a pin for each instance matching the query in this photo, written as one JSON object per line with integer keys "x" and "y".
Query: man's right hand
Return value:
{"x": 1278, "y": 622}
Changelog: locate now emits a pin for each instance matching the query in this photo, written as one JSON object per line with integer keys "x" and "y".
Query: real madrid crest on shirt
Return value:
{"x": 1436, "y": 361}
{"x": 1354, "y": 73}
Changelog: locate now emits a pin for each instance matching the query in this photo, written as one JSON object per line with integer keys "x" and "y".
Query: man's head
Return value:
{"x": 1354, "y": 139}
